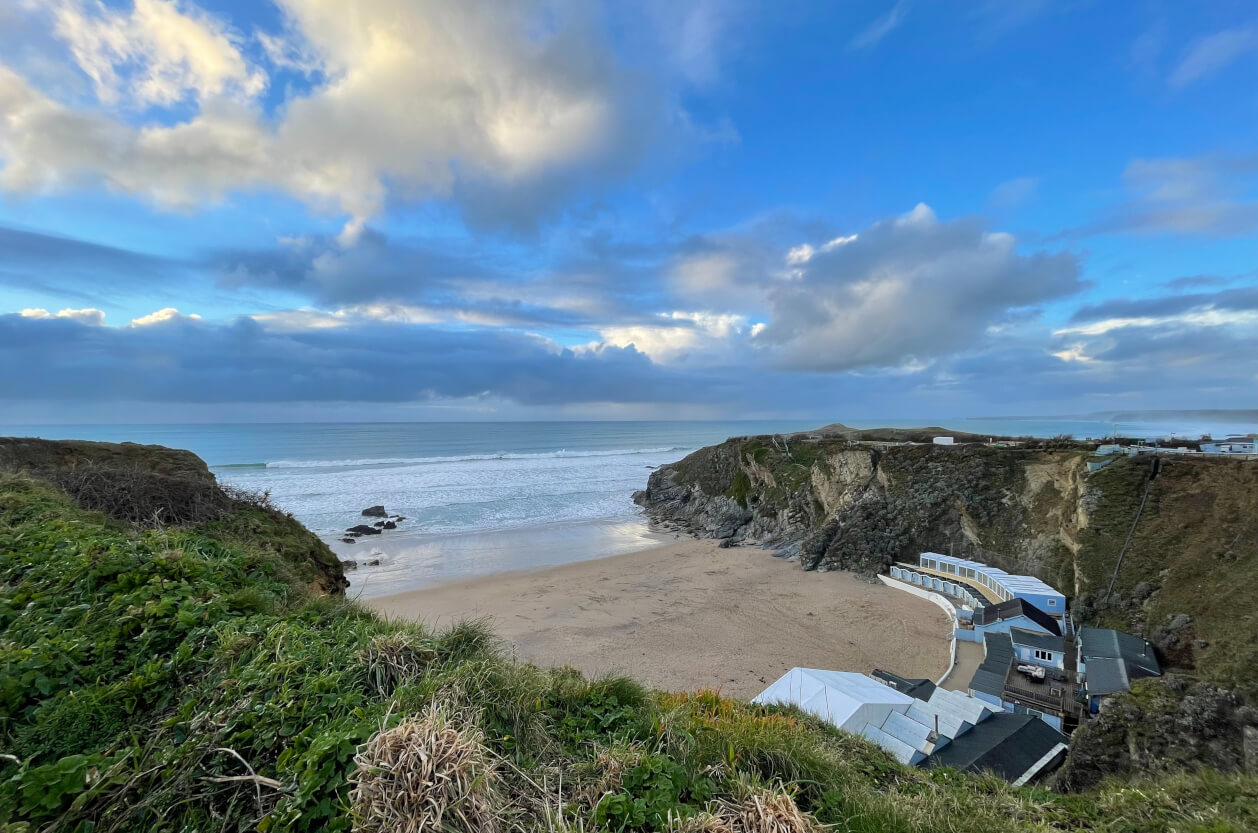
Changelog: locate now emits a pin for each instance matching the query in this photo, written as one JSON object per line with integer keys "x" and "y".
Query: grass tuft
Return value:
{"x": 425, "y": 774}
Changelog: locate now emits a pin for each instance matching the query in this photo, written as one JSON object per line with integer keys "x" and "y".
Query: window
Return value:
{"x": 1052, "y": 603}
{"x": 1047, "y": 656}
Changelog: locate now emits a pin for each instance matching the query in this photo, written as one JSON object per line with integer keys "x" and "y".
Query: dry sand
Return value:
{"x": 689, "y": 615}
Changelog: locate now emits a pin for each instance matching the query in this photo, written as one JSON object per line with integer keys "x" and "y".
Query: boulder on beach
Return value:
{"x": 363, "y": 529}
{"x": 375, "y": 512}
{"x": 349, "y": 565}
{"x": 379, "y": 524}
{"x": 348, "y": 540}
{"x": 388, "y": 525}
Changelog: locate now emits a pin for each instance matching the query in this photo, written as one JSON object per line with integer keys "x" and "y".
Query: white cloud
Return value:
{"x": 1014, "y": 192}
{"x": 1208, "y": 55}
{"x": 496, "y": 104}
{"x": 163, "y": 316}
{"x": 882, "y": 26}
{"x": 1195, "y": 318}
{"x": 903, "y": 292}
{"x": 157, "y": 52}
{"x": 88, "y": 315}
{"x": 681, "y": 335}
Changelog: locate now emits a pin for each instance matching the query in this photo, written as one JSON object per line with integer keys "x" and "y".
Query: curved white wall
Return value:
{"x": 942, "y": 603}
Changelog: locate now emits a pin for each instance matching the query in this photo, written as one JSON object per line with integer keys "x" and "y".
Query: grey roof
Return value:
{"x": 1108, "y": 643}
{"x": 951, "y": 724}
{"x": 918, "y": 687}
{"x": 1014, "y": 608}
{"x": 903, "y": 752}
{"x": 1035, "y": 639}
{"x": 989, "y": 677}
{"x": 1010, "y": 745}
{"x": 1106, "y": 675}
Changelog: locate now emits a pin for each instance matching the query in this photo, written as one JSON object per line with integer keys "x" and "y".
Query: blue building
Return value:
{"x": 999, "y": 682}
{"x": 1006, "y": 616}
{"x": 1035, "y": 648}
{"x": 1109, "y": 660}
{"x": 977, "y": 582}
{"x": 1232, "y": 445}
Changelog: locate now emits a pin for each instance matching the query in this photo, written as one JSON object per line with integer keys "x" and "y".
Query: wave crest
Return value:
{"x": 467, "y": 458}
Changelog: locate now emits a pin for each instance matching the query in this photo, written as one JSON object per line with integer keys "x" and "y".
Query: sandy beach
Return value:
{"x": 687, "y": 614}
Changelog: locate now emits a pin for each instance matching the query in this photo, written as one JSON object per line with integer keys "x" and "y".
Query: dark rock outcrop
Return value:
{"x": 388, "y": 525}
{"x": 363, "y": 529}
{"x": 845, "y": 505}
{"x": 1163, "y": 725}
{"x": 375, "y": 512}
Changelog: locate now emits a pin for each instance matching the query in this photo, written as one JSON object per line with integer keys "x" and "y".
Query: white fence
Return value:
{"x": 943, "y": 603}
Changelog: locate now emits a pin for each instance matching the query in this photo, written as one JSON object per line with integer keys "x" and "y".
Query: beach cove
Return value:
{"x": 687, "y": 614}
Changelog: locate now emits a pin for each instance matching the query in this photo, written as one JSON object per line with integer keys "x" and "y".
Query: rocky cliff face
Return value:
{"x": 1163, "y": 725}
{"x": 844, "y": 505}
{"x": 1186, "y": 580}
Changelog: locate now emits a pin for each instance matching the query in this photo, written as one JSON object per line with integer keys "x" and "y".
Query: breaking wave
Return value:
{"x": 470, "y": 458}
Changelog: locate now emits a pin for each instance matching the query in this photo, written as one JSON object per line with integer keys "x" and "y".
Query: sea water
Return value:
{"x": 479, "y": 497}
{"x": 474, "y": 476}
{"x": 446, "y": 478}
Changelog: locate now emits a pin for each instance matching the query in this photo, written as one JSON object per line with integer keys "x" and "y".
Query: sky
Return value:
{"x": 667, "y": 209}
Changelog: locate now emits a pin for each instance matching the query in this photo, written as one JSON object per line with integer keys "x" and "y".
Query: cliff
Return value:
{"x": 175, "y": 678}
{"x": 1186, "y": 580}
{"x": 1164, "y": 725}
{"x": 151, "y": 486}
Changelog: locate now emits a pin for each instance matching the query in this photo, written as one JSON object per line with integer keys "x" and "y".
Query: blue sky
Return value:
{"x": 397, "y": 209}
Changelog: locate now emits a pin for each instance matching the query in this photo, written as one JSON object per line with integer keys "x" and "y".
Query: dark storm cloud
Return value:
{"x": 187, "y": 360}
{"x": 1240, "y": 298}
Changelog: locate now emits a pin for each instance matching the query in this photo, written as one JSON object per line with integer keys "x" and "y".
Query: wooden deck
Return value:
{"x": 988, "y": 593}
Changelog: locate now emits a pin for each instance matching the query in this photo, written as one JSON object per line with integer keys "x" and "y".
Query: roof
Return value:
{"x": 1136, "y": 653}
{"x": 916, "y": 687}
{"x": 903, "y": 752}
{"x": 831, "y": 695}
{"x": 989, "y": 677}
{"x": 1035, "y": 639}
{"x": 1106, "y": 675}
{"x": 1013, "y": 746}
{"x": 1014, "y": 608}
{"x": 1023, "y": 584}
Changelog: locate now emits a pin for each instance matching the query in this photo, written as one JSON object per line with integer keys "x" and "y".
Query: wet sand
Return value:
{"x": 687, "y": 614}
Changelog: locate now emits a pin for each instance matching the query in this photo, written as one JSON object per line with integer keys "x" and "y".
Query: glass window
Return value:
{"x": 1052, "y": 603}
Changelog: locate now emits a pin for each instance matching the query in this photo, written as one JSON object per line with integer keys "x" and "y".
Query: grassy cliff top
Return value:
{"x": 183, "y": 678}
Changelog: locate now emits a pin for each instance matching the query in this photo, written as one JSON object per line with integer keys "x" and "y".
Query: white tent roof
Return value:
{"x": 843, "y": 698}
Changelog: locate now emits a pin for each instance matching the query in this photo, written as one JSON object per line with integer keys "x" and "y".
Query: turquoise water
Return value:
{"x": 455, "y": 478}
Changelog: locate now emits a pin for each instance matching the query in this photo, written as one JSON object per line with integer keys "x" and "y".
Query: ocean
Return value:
{"x": 479, "y": 496}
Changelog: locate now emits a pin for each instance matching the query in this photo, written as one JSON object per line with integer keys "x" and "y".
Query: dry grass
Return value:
{"x": 606, "y": 773}
{"x": 760, "y": 811}
{"x": 426, "y": 775}
{"x": 393, "y": 658}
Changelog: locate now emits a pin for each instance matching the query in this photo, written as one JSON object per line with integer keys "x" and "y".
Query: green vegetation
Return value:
{"x": 1194, "y": 551}
{"x": 188, "y": 678}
